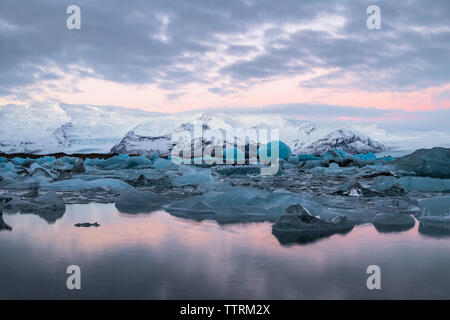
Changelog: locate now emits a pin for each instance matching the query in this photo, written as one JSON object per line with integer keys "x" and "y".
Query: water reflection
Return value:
{"x": 3, "y": 225}
{"x": 308, "y": 237}
{"x": 393, "y": 228}
{"x": 159, "y": 256}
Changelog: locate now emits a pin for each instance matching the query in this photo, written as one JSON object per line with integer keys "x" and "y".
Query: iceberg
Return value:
{"x": 409, "y": 183}
{"x": 393, "y": 222}
{"x": 265, "y": 151}
{"x": 138, "y": 201}
{"x": 297, "y": 225}
{"x": 79, "y": 185}
{"x": 435, "y": 209}
{"x": 49, "y": 206}
{"x": 433, "y": 162}
{"x": 233, "y": 155}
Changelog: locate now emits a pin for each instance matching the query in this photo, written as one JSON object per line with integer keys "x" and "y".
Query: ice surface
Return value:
{"x": 435, "y": 209}
{"x": 265, "y": 151}
{"x": 367, "y": 156}
{"x": 138, "y": 201}
{"x": 307, "y": 157}
{"x": 49, "y": 206}
{"x": 433, "y": 162}
{"x": 297, "y": 225}
{"x": 192, "y": 176}
{"x": 393, "y": 222}
{"x": 420, "y": 184}
{"x": 79, "y": 184}
{"x": 233, "y": 155}
{"x": 163, "y": 164}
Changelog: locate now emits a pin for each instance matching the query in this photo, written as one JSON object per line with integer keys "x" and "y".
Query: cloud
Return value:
{"x": 224, "y": 45}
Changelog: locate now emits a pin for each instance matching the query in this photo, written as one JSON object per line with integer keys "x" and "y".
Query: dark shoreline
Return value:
{"x": 83, "y": 156}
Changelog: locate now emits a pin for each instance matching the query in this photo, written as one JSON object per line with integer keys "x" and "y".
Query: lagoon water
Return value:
{"x": 159, "y": 256}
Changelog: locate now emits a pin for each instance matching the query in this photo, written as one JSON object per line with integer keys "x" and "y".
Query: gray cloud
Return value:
{"x": 127, "y": 42}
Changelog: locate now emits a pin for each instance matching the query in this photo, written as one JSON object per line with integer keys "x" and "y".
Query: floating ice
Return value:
{"x": 433, "y": 162}
{"x": 162, "y": 164}
{"x": 336, "y": 155}
{"x": 297, "y": 225}
{"x": 435, "y": 209}
{"x": 49, "y": 206}
{"x": 79, "y": 184}
{"x": 420, "y": 184}
{"x": 137, "y": 201}
{"x": 307, "y": 157}
{"x": 192, "y": 176}
{"x": 239, "y": 170}
{"x": 236, "y": 204}
{"x": 393, "y": 222}
{"x": 78, "y": 167}
{"x": 233, "y": 155}
{"x": 367, "y": 156}
{"x": 265, "y": 152}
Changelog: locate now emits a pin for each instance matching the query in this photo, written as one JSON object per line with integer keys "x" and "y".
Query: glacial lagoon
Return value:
{"x": 159, "y": 256}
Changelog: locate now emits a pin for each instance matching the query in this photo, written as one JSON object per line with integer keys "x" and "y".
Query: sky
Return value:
{"x": 314, "y": 59}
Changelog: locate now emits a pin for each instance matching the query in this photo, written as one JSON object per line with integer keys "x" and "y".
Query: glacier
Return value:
{"x": 71, "y": 129}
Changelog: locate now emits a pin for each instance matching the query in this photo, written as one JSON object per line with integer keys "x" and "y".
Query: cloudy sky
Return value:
{"x": 311, "y": 58}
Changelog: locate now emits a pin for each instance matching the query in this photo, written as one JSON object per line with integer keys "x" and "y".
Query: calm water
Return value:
{"x": 158, "y": 256}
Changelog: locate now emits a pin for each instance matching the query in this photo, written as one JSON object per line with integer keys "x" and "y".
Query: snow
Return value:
{"x": 52, "y": 128}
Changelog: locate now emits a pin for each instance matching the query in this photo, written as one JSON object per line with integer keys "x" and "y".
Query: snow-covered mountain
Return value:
{"x": 302, "y": 137}
{"x": 42, "y": 129}
{"x": 48, "y": 128}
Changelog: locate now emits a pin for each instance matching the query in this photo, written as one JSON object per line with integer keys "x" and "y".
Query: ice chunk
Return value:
{"x": 307, "y": 157}
{"x": 137, "y": 201}
{"x": 239, "y": 170}
{"x": 78, "y": 166}
{"x": 435, "y": 229}
{"x": 293, "y": 159}
{"x": 393, "y": 222}
{"x": 192, "y": 176}
{"x": 162, "y": 164}
{"x": 140, "y": 161}
{"x": 424, "y": 184}
{"x": 367, "y": 156}
{"x": 435, "y": 209}
{"x": 433, "y": 162}
{"x": 228, "y": 204}
{"x": 79, "y": 184}
{"x": 49, "y": 206}
{"x": 233, "y": 155}
{"x": 336, "y": 155}
{"x": 34, "y": 191}
{"x": 420, "y": 184}
{"x": 265, "y": 151}
{"x": 297, "y": 225}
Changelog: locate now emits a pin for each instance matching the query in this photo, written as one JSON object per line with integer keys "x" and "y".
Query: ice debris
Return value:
{"x": 297, "y": 225}
{"x": 433, "y": 162}
{"x": 393, "y": 222}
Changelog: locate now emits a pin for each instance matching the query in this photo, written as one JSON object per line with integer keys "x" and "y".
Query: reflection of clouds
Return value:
{"x": 160, "y": 256}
